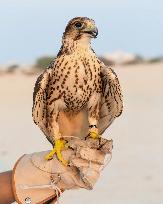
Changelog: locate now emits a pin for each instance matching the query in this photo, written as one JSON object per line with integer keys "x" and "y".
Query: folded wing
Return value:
{"x": 111, "y": 101}
{"x": 39, "y": 110}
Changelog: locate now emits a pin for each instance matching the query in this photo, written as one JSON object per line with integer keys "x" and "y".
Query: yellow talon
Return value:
{"x": 59, "y": 145}
{"x": 50, "y": 155}
{"x": 94, "y": 135}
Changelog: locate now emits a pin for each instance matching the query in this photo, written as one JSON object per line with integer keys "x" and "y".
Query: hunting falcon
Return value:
{"x": 77, "y": 94}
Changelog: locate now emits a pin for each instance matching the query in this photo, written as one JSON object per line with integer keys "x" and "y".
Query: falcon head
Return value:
{"x": 81, "y": 27}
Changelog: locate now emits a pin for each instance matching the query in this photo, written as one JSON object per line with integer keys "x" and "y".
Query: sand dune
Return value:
{"x": 134, "y": 175}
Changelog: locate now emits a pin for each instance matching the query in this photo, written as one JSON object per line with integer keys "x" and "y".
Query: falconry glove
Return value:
{"x": 38, "y": 181}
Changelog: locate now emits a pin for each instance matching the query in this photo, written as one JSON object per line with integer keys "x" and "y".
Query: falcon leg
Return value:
{"x": 93, "y": 131}
{"x": 59, "y": 145}
{"x": 58, "y": 142}
{"x": 93, "y": 119}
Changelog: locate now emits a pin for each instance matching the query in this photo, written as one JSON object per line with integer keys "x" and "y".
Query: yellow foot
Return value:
{"x": 59, "y": 145}
{"x": 94, "y": 135}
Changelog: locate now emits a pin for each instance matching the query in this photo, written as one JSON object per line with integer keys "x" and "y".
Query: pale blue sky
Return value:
{"x": 32, "y": 28}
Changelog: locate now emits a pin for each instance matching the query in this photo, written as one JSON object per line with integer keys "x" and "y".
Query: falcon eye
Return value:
{"x": 78, "y": 25}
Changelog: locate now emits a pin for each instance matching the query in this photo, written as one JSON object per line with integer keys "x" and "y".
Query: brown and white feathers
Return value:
{"x": 73, "y": 83}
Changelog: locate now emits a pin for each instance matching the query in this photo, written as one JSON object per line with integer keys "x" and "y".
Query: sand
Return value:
{"x": 135, "y": 174}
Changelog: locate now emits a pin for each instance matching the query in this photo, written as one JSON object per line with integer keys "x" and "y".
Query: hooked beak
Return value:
{"x": 93, "y": 32}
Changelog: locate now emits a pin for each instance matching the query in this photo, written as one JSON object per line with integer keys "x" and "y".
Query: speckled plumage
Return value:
{"x": 76, "y": 90}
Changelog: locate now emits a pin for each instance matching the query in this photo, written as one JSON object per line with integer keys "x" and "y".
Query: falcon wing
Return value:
{"x": 111, "y": 103}
{"x": 39, "y": 110}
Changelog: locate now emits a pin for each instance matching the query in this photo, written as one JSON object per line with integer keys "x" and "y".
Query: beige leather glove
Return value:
{"x": 36, "y": 181}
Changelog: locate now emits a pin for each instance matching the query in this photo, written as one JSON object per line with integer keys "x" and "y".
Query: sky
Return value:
{"x": 33, "y": 28}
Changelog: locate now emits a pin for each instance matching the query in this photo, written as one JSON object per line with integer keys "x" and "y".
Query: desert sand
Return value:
{"x": 135, "y": 174}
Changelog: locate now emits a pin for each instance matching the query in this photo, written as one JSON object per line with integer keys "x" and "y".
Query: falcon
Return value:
{"x": 77, "y": 94}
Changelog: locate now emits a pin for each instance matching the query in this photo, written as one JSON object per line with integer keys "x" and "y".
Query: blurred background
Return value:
{"x": 130, "y": 40}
